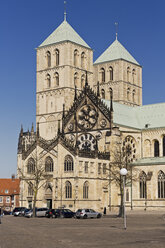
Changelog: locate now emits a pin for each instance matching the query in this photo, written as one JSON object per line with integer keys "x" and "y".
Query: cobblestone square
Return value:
{"x": 143, "y": 230}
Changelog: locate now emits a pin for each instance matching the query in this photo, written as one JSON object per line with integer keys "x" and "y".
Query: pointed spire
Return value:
{"x": 38, "y": 132}
{"x": 21, "y": 132}
{"x": 58, "y": 126}
{"x": 64, "y": 10}
{"x": 86, "y": 81}
{"x": 63, "y": 114}
{"x": 32, "y": 129}
{"x": 98, "y": 89}
{"x": 75, "y": 93}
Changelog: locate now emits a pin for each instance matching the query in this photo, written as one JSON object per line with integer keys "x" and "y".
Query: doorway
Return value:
{"x": 49, "y": 203}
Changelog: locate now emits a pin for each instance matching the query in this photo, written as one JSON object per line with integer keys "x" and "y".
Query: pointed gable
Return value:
{"x": 114, "y": 52}
{"x": 64, "y": 32}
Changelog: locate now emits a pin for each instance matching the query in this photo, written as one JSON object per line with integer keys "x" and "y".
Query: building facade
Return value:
{"x": 86, "y": 111}
{"x": 9, "y": 193}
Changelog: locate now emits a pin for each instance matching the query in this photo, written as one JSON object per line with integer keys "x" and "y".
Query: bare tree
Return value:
{"x": 35, "y": 177}
{"x": 121, "y": 158}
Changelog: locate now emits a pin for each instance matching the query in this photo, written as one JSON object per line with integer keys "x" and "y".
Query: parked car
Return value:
{"x": 52, "y": 213}
{"x": 41, "y": 212}
{"x": 6, "y": 212}
{"x": 19, "y": 211}
{"x": 87, "y": 213}
{"x": 63, "y": 213}
{"x": 29, "y": 213}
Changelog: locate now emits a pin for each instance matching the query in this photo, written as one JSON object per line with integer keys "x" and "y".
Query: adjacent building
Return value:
{"x": 9, "y": 193}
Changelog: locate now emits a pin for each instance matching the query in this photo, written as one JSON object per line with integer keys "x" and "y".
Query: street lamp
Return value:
{"x": 123, "y": 172}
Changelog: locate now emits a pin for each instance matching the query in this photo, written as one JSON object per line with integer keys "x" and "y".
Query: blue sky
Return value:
{"x": 24, "y": 25}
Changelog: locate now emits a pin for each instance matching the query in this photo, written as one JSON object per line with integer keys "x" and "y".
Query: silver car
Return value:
{"x": 87, "y": 213}
{"x": 40, "y": 212}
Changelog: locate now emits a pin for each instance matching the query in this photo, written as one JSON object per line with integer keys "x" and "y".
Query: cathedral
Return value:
{"x": 86, "y": 110}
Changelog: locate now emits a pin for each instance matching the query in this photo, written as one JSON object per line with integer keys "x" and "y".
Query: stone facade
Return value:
{"x": 78, "y": 130}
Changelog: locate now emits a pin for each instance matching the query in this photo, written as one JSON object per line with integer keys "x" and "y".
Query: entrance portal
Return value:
{"x": 49, "y": 203}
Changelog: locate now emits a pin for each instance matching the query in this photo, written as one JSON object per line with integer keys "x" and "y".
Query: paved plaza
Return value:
{"x": 143, "y": 230}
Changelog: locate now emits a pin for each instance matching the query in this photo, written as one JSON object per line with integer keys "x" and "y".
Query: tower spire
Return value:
{"x": 116, "y": 24}
{"x": 64, "y": 10}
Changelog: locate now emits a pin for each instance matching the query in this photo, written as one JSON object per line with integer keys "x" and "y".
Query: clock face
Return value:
{"x": 86, "y": 142}
{"x": 129, "y": 149}
{"x": 87, "y": 117}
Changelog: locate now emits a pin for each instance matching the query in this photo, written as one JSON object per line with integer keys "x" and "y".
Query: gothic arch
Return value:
{"x": 48, "y": 81}
{"x": 48, "y": 58}
{"x": 83, "y": 59}
{"x": 85, "y": 190}
{"x": 31, "y": 166}
{"x": 68, "y": 190}
{"x": 156, "y": 148}
{"x": 57, "y": 57}
{"x": 49, "y": 166}
{"x": 76, "y": 53}
{"x": 68, "y": 163}
{"x": 161, "y": 184}
{"x": 111, "y": 73}
{"x": 102, "y": 75}
{"x": 143, "y": 184}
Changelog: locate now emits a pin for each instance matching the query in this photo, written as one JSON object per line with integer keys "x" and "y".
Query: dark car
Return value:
{"x": 19, "y": 211}
{"x": 63, "y": 213}
{"x": 52, "y": 213}
{"x": 7, "y": 212}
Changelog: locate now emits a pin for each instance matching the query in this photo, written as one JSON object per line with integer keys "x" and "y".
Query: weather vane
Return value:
{"x": 116, "y": 24}
{"x": 64, "y": 10}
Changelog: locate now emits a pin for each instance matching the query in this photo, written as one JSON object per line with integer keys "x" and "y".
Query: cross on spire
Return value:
{"x": 64, "y": 10}
{"x": 116, "y": 24}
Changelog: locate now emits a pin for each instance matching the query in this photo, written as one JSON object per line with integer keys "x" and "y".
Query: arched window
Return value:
{"x": 48, "y": 79}
{"x": 156, "y": 148}
{"x": 133, "y": 95}
{"x": 48, "y": 57}
{"x": 75, "y": 79}
{"x": 133, "y": 75}
{"x": 57, "y": 55}
{"x": 163, "y": 145}
{"x": 30, "y": 189}
{"x": 68, "y": 163}
{"x": 68, "y": 190}
{"x": 104, "y": 168}
{"x": 161, "y": 185}
{"x": 85, "y": 190}
{"x": 128, "y": 72}
{"x": 128, "y": 94}
{"x": 143, "y": 185}
{"x": 48, "y": 164}
{"x": 110, "y": 73}
{"x": 83, "y": 60}
{"x": 103, "y": 93}
{"x": 82, "y": 81}
{"x": 75, "y": 57}
{"x": 56, "y": 79}
{"x": 31, "y": 166}
{"x": 102, "y": 74}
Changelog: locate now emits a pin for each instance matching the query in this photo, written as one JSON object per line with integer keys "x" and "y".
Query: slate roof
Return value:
{"x": 115, "y": 51}
{"x": 64, "y": 32}
{"x": 137, "y": 117}
{"x": 12, "y": 185}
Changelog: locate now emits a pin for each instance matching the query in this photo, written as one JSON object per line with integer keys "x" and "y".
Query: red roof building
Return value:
{"x": 9, "y": 193}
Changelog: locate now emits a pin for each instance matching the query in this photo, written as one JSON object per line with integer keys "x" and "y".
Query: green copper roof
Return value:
{"x": 64, "y": 32}
{"x": 115, "y": 51}
{"x": 149, "y": 161}
{"x": 152, "y": 115}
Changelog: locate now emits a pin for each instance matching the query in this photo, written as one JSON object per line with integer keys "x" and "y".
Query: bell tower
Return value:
{"x": 62, "y": 60}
